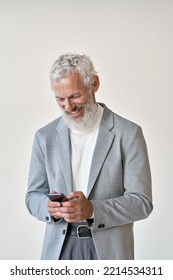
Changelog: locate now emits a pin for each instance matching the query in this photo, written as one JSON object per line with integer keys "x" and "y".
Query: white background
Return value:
{"x": 131, "y": 44}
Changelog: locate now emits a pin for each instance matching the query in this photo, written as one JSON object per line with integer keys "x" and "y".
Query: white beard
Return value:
{"x": 86, "y": 122}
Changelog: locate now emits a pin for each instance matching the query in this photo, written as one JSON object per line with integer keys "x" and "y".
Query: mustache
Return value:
{"x": 75, "y": 109}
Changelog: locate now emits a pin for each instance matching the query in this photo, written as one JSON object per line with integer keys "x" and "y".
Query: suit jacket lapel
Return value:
{"x": 103, "y": 144}
{"x": 63, "y": 143}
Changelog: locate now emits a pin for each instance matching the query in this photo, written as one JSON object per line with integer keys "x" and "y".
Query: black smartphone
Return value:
{"x": 60, "y": 197}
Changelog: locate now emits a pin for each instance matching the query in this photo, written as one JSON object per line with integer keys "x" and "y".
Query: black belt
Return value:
{"x": 79, "y": 230}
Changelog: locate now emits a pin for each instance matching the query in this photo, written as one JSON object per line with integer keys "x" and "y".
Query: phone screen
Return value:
{"x": 60, "y": 197}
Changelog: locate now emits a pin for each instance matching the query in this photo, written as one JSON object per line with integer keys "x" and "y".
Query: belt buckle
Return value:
{"x": 78, "y": 232}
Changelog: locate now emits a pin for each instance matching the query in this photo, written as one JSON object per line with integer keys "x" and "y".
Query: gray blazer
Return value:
{"x": 119, "y": 184}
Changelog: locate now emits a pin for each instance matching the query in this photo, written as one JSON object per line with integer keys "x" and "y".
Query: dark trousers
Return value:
{"x": 76, "y": 248}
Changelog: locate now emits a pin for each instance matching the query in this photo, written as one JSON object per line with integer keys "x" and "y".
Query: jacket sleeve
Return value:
{"x": 36, "y": 199}
{"x": 136, "y": 202}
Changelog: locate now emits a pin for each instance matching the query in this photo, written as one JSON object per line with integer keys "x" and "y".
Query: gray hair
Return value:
{"x": 70, "y": 63}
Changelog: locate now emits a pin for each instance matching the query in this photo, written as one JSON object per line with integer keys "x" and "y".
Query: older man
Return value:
{"x": 98, "y": 160}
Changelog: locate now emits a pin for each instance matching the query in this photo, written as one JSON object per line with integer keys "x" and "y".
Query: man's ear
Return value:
{"x": 96, "y": 83}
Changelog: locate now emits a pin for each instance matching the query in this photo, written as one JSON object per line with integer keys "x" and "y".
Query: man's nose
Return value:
{"x": 68, "y": 105}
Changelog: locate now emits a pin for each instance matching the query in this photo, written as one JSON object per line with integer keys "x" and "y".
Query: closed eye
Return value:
{"x": 59, "y": 99}
{"x": 75, "y": 96}
{"x": 72, "y": 97}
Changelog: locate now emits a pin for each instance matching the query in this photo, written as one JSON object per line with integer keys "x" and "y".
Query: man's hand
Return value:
{"x": 53, "y": 207}
{"x": 76, "y": 209}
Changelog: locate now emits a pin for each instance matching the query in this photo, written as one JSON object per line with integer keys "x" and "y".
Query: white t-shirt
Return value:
{"x": 82, "y": 148}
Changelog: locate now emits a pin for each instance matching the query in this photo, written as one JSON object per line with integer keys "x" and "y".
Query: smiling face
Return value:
{"x": 72, "y": 95}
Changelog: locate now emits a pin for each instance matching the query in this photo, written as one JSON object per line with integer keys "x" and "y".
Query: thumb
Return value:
{"x": 75, "y": 195}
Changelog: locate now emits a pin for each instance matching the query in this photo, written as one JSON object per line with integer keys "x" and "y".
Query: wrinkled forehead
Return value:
{"x": 72, "y": 80}
{"x": 69, "y": 85}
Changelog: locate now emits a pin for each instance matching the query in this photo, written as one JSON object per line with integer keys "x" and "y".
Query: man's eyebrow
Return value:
{"x": 56, "y": 96}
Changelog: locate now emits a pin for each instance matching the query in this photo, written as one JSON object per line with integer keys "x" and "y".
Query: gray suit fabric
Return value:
{"x": 119, "y": 184}
{"x": 78, "y": 249}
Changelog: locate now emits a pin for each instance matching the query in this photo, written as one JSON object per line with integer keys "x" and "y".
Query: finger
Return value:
{"x": 53, "y": 203}
{"x": 67, "y": 216}
{"x": 56, "y": 217}
{"x": 69, "y": 203}
{"x": 67, "y": 209}
{"x": 53, "y": 210}
{"x": 75, "y": 195}
{"x": 73, "y": 219}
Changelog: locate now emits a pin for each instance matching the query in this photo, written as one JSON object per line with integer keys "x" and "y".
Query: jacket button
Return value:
{"x": 101, "y": 225}
{"x": 47, "y": 218}
{"x": 63, "y": 232}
